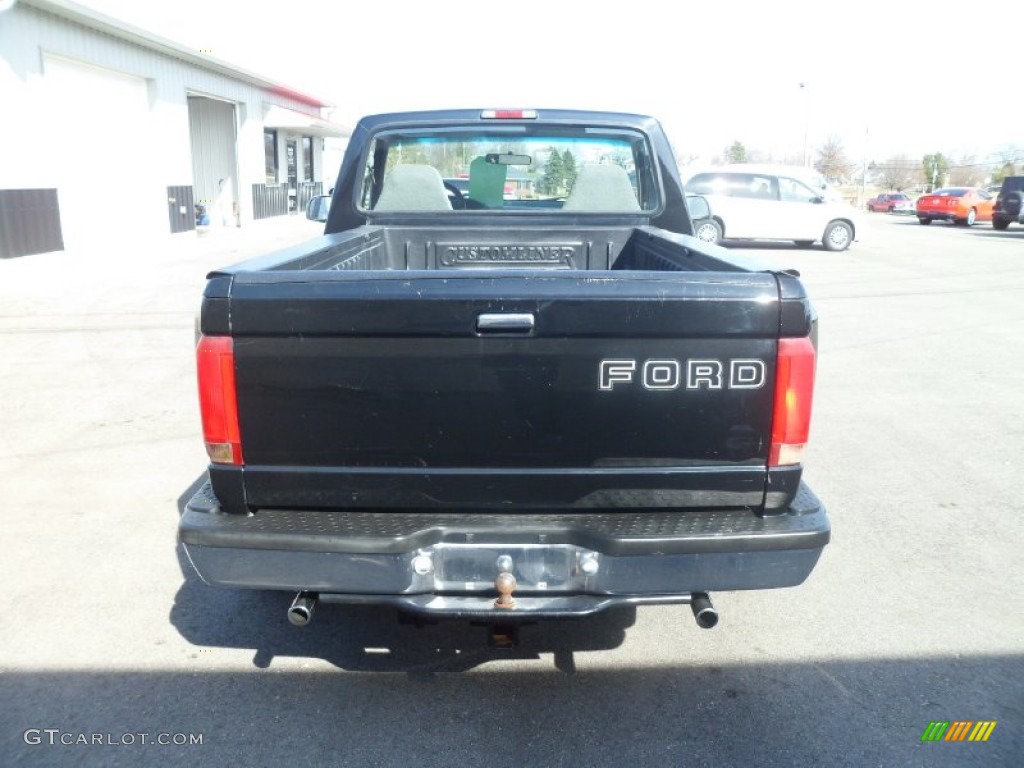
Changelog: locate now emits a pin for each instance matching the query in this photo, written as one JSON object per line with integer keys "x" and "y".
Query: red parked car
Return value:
{"x": 961, "y": 205}
{"x": 891, "y": 202}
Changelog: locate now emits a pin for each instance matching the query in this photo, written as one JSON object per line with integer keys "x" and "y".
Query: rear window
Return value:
{"x": 1013, "y": 184}
{"x": 951, "y": 192}
{"x": 510, "y": 168}
{"x": 748, "y": 185}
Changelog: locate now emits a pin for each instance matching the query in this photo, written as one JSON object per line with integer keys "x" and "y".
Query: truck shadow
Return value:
{"x": 371, "y": 639}
{"x": 768, "y": 245}
{"x": 1001, "y": 235}
{"x": 367, "y": 638}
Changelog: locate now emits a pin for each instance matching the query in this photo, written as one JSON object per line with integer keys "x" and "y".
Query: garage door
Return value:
{"x": 107, "y": 198}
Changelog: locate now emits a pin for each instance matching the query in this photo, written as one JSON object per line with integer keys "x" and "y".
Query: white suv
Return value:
{"x": 752, "y": 205}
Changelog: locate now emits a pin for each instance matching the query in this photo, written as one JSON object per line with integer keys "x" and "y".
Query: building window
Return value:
{"x": 307, "y": 158}
{"x": 270, "y": 155}
{"x": 291, "y": 150}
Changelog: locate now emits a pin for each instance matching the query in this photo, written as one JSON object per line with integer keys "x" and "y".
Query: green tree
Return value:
{"x": 934, "y": 169}
{"x": 554, "y": 173}
{"x": 736, "y": 153}
{"x": 568, "y": 169}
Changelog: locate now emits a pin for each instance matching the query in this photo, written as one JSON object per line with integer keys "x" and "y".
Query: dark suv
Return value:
{"x": 1008, "y": 206}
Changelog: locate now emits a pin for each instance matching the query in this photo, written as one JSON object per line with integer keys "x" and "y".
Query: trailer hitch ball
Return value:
{"x": 505, "y": 583}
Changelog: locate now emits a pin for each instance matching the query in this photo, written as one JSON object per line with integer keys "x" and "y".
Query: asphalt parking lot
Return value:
{"x": 914, "y": 614}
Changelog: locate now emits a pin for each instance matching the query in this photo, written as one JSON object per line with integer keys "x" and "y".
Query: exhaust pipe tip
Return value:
{"x": 299, "y": 615}
{"x": 704, "y": 612}
{"x": 301, "y": 611}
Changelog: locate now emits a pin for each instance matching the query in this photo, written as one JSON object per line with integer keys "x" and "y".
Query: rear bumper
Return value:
{"x": 939, "y": 215}
{"x": 446, "y": 563}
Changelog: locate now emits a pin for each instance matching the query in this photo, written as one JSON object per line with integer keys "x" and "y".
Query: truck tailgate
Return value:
{"x": 407, "y": 390}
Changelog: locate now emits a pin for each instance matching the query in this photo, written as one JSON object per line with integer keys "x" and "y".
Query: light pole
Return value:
{"x": 864, "y": 170}
{"x": 807, "y": 122}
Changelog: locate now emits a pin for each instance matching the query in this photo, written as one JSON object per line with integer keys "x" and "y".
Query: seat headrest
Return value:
{"x": 603, "y": 188}
{"x": 413, "y": 188}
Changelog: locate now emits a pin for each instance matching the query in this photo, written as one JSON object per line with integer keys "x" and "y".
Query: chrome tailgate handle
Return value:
{"x": 502, "y": 322}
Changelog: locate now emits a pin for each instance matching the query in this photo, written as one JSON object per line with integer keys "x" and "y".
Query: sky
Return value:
{"x": 884, "y": 77}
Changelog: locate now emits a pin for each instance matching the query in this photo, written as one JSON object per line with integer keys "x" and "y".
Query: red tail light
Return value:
{"x": 218, "y": 404}
{"x": 794, "y": 391}
{"x": 509, "y": 114}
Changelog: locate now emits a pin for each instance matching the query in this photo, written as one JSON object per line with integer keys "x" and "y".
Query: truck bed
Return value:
{"x": 366, "y": 380}
{"x": 543, "y": 247}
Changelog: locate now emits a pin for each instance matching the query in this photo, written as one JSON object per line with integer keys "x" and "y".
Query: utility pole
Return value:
{"x": 807, "y": 122}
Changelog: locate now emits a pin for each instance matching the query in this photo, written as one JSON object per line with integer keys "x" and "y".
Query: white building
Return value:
{"x": 109, "y": 134}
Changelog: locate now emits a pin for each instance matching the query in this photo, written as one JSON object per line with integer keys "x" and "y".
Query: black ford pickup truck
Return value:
{"x": 527, "y": 395}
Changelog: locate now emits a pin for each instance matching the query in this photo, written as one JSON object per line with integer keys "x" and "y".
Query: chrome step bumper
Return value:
{"x": 446, "y": 563}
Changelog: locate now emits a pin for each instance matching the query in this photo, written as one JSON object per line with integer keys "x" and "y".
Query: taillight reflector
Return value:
{"x": 509, "y": 114}
{"x": 794, "y": 392}
{"x": 218, "y": 403}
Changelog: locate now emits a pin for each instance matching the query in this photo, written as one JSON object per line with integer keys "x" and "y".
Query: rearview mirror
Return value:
{"x": 698, "y": 207}
{"x": 318, "y": 207}
{"x": 507, "y": 158}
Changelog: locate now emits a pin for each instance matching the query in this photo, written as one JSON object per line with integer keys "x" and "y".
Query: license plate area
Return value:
{"x": 470, "y": 568}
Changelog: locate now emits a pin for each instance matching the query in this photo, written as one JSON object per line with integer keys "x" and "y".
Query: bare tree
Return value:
{"x": 1007, "y": 169}
{"x": 1008, "y": 161}
{"x": 832, "y": 162}
{"x": 967, "y": 172}
{"x": 689, "y": 158}
{"x": 899, "y": 172}
{"x": 1010, "y": 153}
